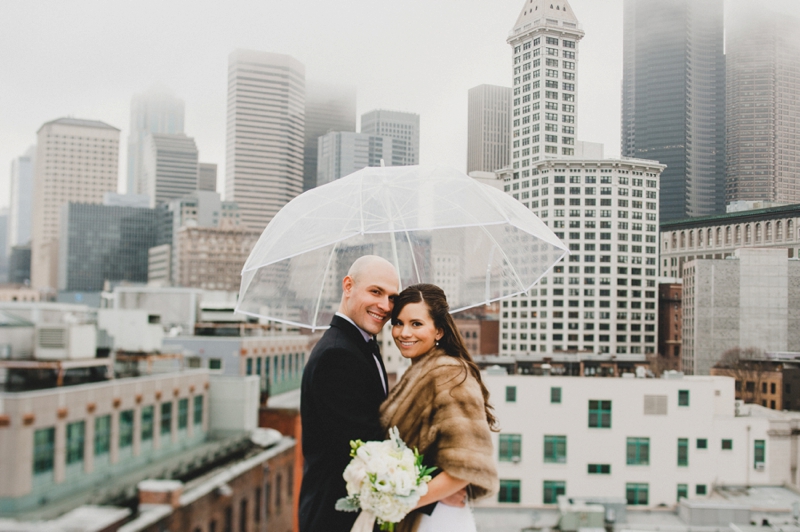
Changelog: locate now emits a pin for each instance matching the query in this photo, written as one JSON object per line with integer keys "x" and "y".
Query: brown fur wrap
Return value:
{"x": 438, "y": 408}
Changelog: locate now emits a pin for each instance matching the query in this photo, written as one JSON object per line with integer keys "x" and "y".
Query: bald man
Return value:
{"x": 344, "y": 384}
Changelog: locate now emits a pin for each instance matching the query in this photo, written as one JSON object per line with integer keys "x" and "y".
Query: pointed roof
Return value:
{"x": 538, "y": 13}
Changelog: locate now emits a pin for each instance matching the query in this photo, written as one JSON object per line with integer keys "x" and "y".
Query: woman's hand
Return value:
{"x": 441, "y": 487}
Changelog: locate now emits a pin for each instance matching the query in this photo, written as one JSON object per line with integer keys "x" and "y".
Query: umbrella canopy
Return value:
{"x": 436, "y": 225}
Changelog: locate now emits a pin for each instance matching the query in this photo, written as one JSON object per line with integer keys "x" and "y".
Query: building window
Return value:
{"x": 683, "y": 451}
{"x": 43, "y": 450}
{"x": 552, "y": 489}
{"x": 702, "y": 443}
{"x": 599, "y": 469}
{"x": 555, "y": 395}
{"x": 147, "y": 422}
{"x": 75, "y": 438}
{"x": 727, "y": 445}
{"x": 214, "y": 363}
{"x": 759, "y": 452}
{"x": 198, "y": 409}
{"x": 125, "y": 428}
{"x": 600, "y": 414}
{"x": 511, "y": 394}
{"x": 683, "y": 397}
{"x": 683, "y": 491}
{"x": 555, "y": 449}
{"x": 166, "y": 418}
{"x": 510, "y": 447}
{"x": 102, "y": 435}
{"x": 183, "y": 413}
{"x": 509, "y": 491}
{"x": 638, "y": 451}
{"x": 700, "y": 489}
{"x": 636, "y": 494}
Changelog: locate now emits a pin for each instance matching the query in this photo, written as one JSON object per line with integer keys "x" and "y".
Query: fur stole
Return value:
{"x": 438, "y": 408}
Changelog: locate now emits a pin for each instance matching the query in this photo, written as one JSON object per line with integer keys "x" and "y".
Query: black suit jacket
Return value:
{"x": 342, "y": 392}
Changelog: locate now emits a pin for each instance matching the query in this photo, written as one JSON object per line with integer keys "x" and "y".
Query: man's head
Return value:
{"x": 368, "y": 292}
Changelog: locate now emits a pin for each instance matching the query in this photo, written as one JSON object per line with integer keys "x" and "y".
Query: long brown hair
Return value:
{"x": 451, "y": 342}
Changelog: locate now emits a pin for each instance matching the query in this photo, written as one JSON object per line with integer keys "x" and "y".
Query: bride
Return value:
{"x": 440, "y": 406}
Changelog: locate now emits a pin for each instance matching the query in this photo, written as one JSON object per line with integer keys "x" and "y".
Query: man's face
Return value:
{"x": 368, "y": 300}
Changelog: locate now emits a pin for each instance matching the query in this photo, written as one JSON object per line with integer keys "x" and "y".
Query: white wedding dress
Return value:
{"x": 448, "y": 519}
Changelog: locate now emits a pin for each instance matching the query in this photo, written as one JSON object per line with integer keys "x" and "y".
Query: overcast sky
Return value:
{"x": 87, "y": 58}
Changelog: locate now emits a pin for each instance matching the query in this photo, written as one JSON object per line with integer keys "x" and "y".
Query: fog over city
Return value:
{"x": 87, "y": 59}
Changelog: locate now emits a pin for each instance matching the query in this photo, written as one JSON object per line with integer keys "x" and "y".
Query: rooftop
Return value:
{"x": 733, "y": 217}
{"x": 79, "y": 122}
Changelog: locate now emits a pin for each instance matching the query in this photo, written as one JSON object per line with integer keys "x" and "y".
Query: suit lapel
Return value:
{"x": 355, "y": 335}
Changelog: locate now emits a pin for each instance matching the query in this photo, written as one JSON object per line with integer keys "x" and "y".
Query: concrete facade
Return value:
{"x": 341, "y": 153}
{"x": 717, "y": 237}
{"x": 750, "y": 300}
{"x": 602, "y": 298}
{"x": 207, "y": 177}
{"x": 212, "y": 258}
{"x": 651, "y": 438}
{"x": 69, "y": 438}
{"x": 77, "y": 161}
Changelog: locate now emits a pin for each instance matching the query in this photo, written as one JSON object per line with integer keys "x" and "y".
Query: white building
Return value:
{"x": 76, "y": 161}
{"x": 749, "y": 300}
{"x": 650, "y": 441}
{"x": 328, "y": 108}
{"x": 602, "y": 299}
{"x": 169, "y": 167}
{"x": 20, "y": 199}
{"x": 488, "y": 128}
{"x": 157, "y": 110}
{"x": 397, "y": 125}
{"x": 341, "y": 153}
{"x": 265, "y": 139}
{"x": 545, "y": 43}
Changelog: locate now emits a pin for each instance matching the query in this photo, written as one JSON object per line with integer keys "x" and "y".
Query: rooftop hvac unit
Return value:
{"x": 68, "y": 341}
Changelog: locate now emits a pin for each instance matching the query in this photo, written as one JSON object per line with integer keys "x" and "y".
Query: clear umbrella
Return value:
{"x": 436, "y": 225}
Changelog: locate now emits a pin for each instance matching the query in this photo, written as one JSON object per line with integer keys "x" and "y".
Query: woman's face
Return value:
{"x": 414, "y": 331}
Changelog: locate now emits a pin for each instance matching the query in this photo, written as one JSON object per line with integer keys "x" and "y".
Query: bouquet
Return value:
{"x": 384, "y": 478}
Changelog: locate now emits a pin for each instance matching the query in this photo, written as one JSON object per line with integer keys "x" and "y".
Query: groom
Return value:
{"x": 344, "y": 383}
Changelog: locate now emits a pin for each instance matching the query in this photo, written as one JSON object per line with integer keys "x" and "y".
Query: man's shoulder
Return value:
{"x": 334, "y": 341}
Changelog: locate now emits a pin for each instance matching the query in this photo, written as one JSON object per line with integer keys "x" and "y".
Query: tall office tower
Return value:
{"x": 488, "y": 128}
{"x": 169, "y": 164}
{"x": 76, "y": 162}
{"x": 602, "y": 297}
{"x": 328, "y": 108}
{"x": 342, "y": 152}
{"x": 264, "y": 152}
{"x": 545, "y": 42}
{"x": 397, "y": 125}
{"x": 21, "y": 199}
{"x": 207, "y": 177}
{"x": 763, "y": 106}
{"x": 673, "y": 100}
{"x": 157, "y": 110}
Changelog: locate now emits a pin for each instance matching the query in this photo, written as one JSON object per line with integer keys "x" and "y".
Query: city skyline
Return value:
{"x": 198, "y": 75}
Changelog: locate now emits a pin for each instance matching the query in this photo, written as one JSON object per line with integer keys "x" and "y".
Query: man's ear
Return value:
{"x": 347, "y": 284}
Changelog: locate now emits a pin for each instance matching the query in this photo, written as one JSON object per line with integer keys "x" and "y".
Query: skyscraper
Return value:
{"x": 397, "y": 125}
{"x": 265, "y": 133}
{"x": 328, "y": 108}
{"x": 488, "y": 128}
{"x": 343, "y": 152}
{"x": 21, "y": 199}
{"x": 673, "y": 100}
{"x": 154, "y": 111}
{"x": 76, "y": 162}
{"x": 545, "y": 42}
{"x": 602, "y": 298}
{"x": 763, "y": 106}
{"x": 169, "y": 167}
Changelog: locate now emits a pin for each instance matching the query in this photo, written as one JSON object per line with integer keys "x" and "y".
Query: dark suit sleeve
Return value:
{"x": 347, "y": 405}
